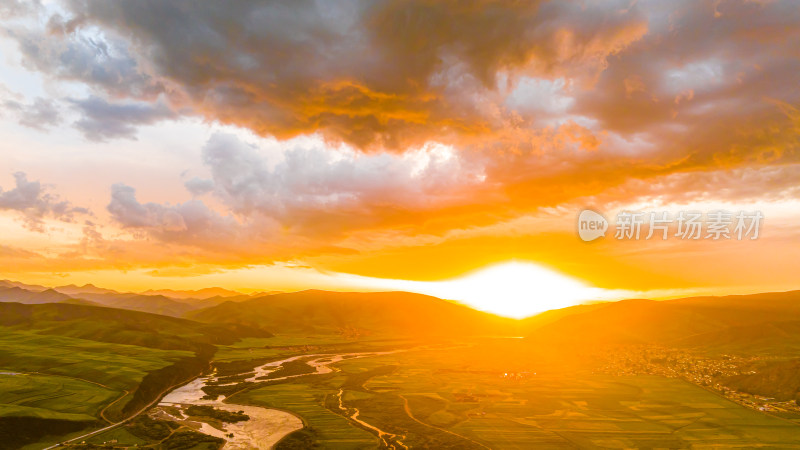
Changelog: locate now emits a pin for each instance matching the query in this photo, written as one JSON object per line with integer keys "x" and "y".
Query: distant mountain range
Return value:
{"x": 757, "y": 324}
{"x": 176, "y": 304}
{"x": 75, "y": 290}
{"x": 200, "y": 293}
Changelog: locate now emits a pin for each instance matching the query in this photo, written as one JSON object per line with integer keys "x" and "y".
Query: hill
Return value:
{"x": 357, "y": 312}
{"x": 69, "y": 367}
{"x": 119, "y": 326}
{"x": 74, "y": 290}
{"x": 21, "y": 295}
{"x": 776, "y": 379}
{"x": 177, "y": 306}
{"x": 156, "y": 304}
{"x": 193, "y": 294}
{"x": 28, "y": 287}
{"x": 741, "y": 323}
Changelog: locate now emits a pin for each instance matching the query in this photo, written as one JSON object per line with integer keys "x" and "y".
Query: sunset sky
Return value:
{"x": 397, "y": 145}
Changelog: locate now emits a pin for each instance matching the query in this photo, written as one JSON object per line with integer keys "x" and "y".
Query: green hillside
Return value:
{"x": 67, "y": 368}
{"x": 119, "y": 326}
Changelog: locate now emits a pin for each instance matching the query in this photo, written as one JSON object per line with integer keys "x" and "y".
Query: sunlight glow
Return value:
{"x": 512, "y": 289}
{"x": 515, "y": 289}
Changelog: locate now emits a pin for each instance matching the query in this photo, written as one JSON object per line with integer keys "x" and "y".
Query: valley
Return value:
{"x": 98, "y": 377}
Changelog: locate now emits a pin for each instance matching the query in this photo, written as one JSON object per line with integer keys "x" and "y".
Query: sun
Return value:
{"x": 513, "y": 289}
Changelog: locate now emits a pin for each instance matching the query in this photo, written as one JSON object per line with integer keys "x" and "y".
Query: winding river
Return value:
{"x": 266, "y": 426}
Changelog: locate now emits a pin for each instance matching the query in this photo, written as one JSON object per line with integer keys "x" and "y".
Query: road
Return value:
{"x": 114, "y": 425}
{"x": 408, "y": 412}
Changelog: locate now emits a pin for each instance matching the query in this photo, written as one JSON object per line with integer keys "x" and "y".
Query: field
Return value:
{"x": 287, "y": 345}
{"x": 60, "y": 385}
{"x": 527, "y": 410}
{"x": 451, "y": 397}
{"x": 118, "y": 366}
{"x": 480, "y": 393}
{"x": 308, "y": 400}
{"x": 49, "y": 396}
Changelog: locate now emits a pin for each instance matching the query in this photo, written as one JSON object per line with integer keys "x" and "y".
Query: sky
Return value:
{"x": 441, "y": 147}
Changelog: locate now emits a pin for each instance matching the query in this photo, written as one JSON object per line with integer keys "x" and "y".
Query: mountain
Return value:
{"x": 200, "y": 303}
{"x": 74, "y": 290}
{"x": 529, "y": 324}
{"x": 156, "y": 304}
{"x": 120, "y": 326}
{"x": 776, "y": 338}
{"x": 377, "y": 312}
{"x": 777, "y": 379}
{"x": 20, "y": 295}
{"x": 27, "y": 287}
{"x": 91, "y": 295}
{"x": 743, "y": 323}
{"x": 198, "y": 294}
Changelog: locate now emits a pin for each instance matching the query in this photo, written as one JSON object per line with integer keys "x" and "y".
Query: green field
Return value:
{"x": 120, "y": 434}
{"x": 458, "y": 397}
{"x": 118, "y": 366}
{"x": 485, "y": 393}
{"x": 287, "y": 345}
{"x": 308, "y": 400}
{"x": 57, "y": 386}
{"x": 49, "y": 396}
{"x": 586, "y": 410}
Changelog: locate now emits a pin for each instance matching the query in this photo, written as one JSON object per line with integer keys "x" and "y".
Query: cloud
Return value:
{"x": 40, "y": 114}
{"x": 311, "y": 196}
{"x": 65, "y": 49}
{"x": 101, "y": 120}
{"x": 316, "y": 187}
{"x": 191, "y": 223}
{"x": 191, "y": 217}
{"x": 198, "y": 186}
{"x": 416, "y": 118}
{"x": 380, "y": 76}
{"x": 34, "y": 204}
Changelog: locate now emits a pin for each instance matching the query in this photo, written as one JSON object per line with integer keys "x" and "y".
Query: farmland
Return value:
{"x": 51, "y": 396}
{"x": 438, "y": 398}
{"x": 118, "y": 366}
{"x": 63, "y": 384}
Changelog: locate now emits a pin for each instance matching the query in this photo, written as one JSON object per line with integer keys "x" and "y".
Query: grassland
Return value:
{"x": 56, "y": 386}
{"x": 288, "y": 345}
{"x": 309, "y": 400}
{"x": 117, "y": 366}
{"x": 557, "y": 411}
{"x": 477, "y": 397}
{"x": 49, "y": 396}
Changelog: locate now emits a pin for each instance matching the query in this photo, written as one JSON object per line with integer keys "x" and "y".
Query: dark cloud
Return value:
{"x": 31, "y": 200}
{"x": 383, "y": 75}
{"x": 64, "y": 50}
{"x": 102, "y": 120}
{"x": 704, "y": 70}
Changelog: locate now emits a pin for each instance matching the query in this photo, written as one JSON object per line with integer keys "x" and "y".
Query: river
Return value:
{"x": 266, "y": 426}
